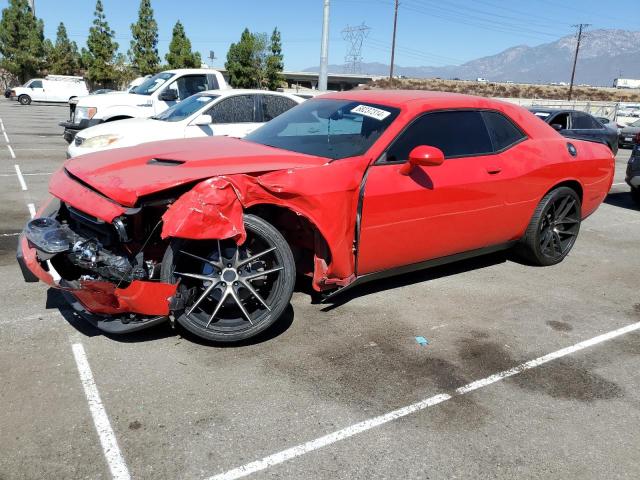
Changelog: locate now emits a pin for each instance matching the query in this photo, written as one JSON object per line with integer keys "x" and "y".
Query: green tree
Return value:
{"x": 99, "y": 58}
{"x": 180, "y": 54}
{"x": 144, "y": 46}
{"x": 63, "y": 57}
{"x": 274, "y": 64}
{"x": 21, "y": 40}
{"x": 245, "y": 61}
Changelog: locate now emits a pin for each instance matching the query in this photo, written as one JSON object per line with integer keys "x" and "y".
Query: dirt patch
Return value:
{"x": 560, "y": 326}
{"x": 135, "y": 425}
{"x": 8, "y": 247}
{"x": 564, "y": 378}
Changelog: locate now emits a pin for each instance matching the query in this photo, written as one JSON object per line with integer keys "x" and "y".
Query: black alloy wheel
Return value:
{"x": 553, "y": 229}
{"x": 24, "y": 99}
{"x": 232, "y": 293}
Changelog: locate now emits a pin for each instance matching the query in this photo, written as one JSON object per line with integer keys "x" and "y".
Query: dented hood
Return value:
{"x": 126, "y": 174}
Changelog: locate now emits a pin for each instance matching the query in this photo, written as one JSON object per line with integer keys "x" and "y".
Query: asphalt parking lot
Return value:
{"x": 334, "y": 391}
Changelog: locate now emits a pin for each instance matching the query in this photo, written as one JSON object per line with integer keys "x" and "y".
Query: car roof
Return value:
{"x": 191, "y": 70}
{"x": 246, "y": 91}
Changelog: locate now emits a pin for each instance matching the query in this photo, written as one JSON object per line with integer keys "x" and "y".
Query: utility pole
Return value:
{"x": 32, "y": 5}
{"x": 324, "y": 49}
{"x": 393, "y": 40}
{"x": 580, "y": 26}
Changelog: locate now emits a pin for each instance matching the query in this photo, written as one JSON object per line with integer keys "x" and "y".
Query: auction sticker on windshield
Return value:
{"x": 372, "y": 112}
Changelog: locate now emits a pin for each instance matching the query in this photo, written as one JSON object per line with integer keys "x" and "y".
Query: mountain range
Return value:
{"x": 604, "y": 55}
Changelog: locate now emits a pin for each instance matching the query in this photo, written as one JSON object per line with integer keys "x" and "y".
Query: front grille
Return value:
{"x": 89, "y": 226}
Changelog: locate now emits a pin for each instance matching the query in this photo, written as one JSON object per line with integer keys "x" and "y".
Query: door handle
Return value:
{"x": 493, "y": 170}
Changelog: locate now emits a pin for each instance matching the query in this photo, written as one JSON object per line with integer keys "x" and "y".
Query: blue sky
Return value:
{"x": 430, "y": 32}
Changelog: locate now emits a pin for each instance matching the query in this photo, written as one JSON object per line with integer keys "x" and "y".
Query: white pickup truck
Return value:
{"x": 153, "y": 96}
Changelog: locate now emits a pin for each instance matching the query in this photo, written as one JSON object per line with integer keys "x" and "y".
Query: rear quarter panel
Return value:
{"x": 539, "y": 165}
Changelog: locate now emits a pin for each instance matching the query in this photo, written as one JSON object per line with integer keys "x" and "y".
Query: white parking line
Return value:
{"x": 32, "y": 209}
{"x": 115, "y": 460}
{"x": 352, "y": 430}
{"x": 25, "y": 174}
{"x": 13, "y": 154}
{"x": 5, "y": 136}
{"x": 618, "y": 184}
{"x": 23, "y": 184}
{"x": 15, "y": 234}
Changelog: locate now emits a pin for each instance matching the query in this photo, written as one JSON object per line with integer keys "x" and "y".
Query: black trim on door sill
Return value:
{"x": 435, "y": 262}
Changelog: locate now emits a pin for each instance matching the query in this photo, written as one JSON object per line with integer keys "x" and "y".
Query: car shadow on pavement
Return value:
{"x": 55, "y": 300}
{"x": 622, "y": 200}
{"x": 420, "y": 276}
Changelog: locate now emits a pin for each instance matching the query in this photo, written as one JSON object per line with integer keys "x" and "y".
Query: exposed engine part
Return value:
{"x": 50, "y": 238}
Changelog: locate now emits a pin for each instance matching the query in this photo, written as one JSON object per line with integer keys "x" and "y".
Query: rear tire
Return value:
{"x": 232, "y": 293}
{"x": 553, "y": 229}
{"x": 635, "y": 195}
{"x": 24, "y": 100}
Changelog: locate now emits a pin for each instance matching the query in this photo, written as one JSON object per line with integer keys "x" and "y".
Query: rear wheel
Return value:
{"x": 24, "y": 99}
{"x": 232, "y": 293}
{"x": 553, "y": 228}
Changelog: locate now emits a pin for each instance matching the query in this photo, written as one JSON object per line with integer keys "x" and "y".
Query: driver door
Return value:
{"x": 434, "y": 211}
{"x": 37, "y": 91}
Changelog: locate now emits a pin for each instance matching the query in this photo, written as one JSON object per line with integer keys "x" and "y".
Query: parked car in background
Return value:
{"x": 607, "y": 122}
{"x": 344, "y": 188}
{"x": 633, "y": 173}
{"x": 629, "y": 135}
{"x": 231, "y": 113}
{"x": 52, "y": 88}
{"x": 153, "y": 96}
{"x": 578, "y": 125}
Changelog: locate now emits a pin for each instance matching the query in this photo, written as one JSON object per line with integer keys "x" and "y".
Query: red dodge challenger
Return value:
{"x": 344, "y": 188}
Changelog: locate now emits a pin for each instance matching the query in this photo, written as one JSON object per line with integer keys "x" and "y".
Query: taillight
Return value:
{"x": 636, "y": 138}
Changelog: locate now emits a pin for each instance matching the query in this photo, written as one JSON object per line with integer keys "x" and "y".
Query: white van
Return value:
{"x": 52, "y": 88}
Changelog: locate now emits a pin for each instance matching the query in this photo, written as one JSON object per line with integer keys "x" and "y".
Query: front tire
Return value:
{"x": 232, "y": 293}
{"x": 24, "y": 100}
{"x": 553, "y": 229}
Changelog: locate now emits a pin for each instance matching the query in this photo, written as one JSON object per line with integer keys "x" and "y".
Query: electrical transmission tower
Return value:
{"x": 355, "y": 37}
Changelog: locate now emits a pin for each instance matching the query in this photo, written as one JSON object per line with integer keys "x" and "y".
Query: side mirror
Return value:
{"x": 168, "y": 95}
{"x": 202, "y": 120}
{"x": 557, "y": 126}
{"x": 424, "y": 155}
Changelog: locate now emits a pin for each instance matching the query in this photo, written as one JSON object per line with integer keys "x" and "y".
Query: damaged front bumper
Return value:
{"x": 136, "y": 305}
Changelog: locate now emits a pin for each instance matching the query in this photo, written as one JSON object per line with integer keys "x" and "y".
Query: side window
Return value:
{"x": 190, "y": 85}
{"x": 236, "y": 109}
{"x": 36, "y": 84}
{"x": 561, "y": 119}
{"x": 274, "y": 105}
{"x": 456, "y": 133}
{"x": 582, "y": 121}
{"x": 502, "y": 130}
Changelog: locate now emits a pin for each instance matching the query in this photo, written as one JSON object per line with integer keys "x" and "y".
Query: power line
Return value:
{"x": 580, "y": 27}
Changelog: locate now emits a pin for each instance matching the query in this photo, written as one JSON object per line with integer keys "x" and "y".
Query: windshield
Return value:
{"x": 327, "y": 128}
{"x": 151, "y": 84}
{"x": 186, "y": 108}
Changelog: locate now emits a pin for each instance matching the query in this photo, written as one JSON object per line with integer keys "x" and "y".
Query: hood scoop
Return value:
{"x": 165, "y": 162}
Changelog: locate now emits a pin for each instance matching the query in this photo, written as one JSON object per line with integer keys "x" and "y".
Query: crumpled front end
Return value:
{"x": 98, "y": 265}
